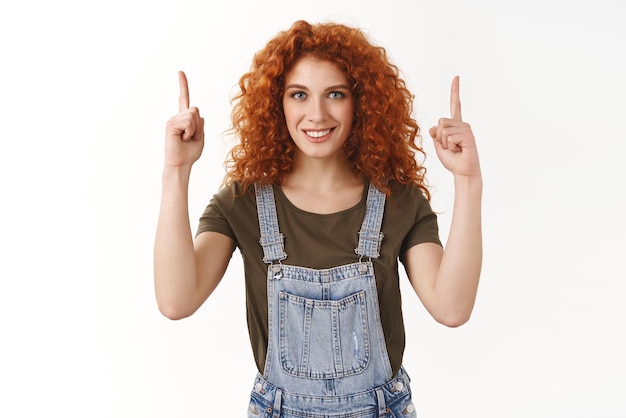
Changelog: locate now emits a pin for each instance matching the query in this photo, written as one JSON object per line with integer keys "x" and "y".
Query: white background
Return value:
{"x": 86, "y": 89}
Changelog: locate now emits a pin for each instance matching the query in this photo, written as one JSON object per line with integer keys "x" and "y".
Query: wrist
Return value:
{"x": 474, "y": 182}
{"x": 176, "y": 170}
{"x": 175, "y": 177}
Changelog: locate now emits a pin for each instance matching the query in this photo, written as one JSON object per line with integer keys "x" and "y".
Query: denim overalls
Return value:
{"x": 326, "y": 353}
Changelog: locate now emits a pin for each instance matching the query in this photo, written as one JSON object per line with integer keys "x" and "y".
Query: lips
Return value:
{"x": 318, "y": 135}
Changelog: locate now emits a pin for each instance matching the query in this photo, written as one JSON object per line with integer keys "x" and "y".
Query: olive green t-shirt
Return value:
{"x": 323, "y": 241}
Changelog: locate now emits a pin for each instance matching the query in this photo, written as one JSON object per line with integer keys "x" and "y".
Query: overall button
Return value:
{"x": 398, "y": 387}
{"x": 277, "y": 270}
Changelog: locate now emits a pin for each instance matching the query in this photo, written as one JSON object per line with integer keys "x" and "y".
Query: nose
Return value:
{"x": 316, "y": 111}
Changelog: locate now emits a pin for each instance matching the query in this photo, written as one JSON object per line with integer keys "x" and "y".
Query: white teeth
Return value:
{"x": 318, "y": 134}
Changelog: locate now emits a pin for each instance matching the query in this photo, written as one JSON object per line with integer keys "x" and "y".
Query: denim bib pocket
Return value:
{"x": 323, "y": 339}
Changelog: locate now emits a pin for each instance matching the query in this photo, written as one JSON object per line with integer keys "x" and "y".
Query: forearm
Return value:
{"x": 459, "y": 272}
{"x": 175, "y": 276}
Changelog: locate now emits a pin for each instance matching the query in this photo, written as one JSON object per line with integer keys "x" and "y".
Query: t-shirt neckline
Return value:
{"x": 278, "y": 192}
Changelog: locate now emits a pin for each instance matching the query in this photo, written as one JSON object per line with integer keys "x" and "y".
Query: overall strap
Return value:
{"x": 370, "y": 235}
{"x": 271, "y": 240}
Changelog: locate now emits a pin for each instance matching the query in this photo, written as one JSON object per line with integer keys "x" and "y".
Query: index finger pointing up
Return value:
{"x": 455, "y": 101}
{"x": 183, "y": 99}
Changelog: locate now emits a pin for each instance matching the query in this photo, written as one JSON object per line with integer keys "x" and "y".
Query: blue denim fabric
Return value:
{"x": 391, "y": 400}
{"x": 326, "y": 348}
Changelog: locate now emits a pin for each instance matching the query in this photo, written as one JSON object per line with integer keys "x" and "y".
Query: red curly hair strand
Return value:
{"x": 381, "y": 145}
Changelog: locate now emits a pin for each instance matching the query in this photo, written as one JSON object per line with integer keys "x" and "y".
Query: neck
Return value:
{"x": 321, "y": 174}
{"x": 318, "y": 186}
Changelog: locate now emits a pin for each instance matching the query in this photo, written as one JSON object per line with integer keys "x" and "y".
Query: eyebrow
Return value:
{"x": 301, "y": 87}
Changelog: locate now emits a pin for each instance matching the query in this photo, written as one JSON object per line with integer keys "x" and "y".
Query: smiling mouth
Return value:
{"x": 318, "y": 134}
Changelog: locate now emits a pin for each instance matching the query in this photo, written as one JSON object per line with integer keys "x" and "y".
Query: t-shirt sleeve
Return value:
{"x": 213, "y": 218}
{"x": 424, "y": 230}
{"x": 425, "y": 227}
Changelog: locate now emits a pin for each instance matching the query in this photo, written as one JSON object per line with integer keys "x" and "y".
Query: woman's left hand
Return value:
{"x": 454, "y": 140}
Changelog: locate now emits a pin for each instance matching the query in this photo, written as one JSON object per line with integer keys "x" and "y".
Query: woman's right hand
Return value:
{"x": 184, "y": 133}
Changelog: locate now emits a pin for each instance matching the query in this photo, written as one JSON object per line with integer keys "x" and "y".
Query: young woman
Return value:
{"x": 323, "y": 196}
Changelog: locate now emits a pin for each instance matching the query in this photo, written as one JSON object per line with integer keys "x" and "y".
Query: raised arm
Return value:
{"x": 447, "y": 281}
{"x": 185, "y": 272}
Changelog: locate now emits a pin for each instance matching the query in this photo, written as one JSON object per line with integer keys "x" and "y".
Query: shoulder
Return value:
{"x": 231, "y": 211}
{"x": 404, "y": 195}
{"x": 233, "y": 194}
{"x": 407, "y": 204}
{"x": 231, "y": 202}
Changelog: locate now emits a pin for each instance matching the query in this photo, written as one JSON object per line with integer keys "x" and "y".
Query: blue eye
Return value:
{"x": 298, "y": 95}
{"x": 336, "y": 95}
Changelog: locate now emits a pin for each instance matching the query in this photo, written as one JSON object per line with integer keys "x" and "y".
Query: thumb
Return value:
{"x": 433, "y": 132}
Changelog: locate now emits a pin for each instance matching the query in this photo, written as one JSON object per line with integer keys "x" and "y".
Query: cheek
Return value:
{"x": 349, "y": 116}
{"x": 290, "y": 123}
{"x": 290, "y": 116}
{"x": 349, "y": 112}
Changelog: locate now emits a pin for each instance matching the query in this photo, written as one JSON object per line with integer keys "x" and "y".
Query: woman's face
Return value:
{"x": 319, "y": 107}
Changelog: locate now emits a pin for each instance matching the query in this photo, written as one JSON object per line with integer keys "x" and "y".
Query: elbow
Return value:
{"x": 173, "y": 311}
{"x": 173, "y": 315}
{"x": 453, "y": 313}
{"x": 453, "y": 319}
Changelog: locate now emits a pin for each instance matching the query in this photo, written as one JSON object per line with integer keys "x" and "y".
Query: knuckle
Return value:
{"x": 172, "y": 124}
{"x": 184, "y": 122}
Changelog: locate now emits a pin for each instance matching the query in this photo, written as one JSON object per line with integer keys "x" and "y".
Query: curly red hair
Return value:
{"x": 381, "y": 145}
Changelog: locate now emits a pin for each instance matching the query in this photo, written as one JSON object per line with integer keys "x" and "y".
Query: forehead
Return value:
{"x": 311, "y": 70}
